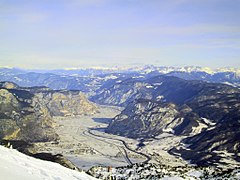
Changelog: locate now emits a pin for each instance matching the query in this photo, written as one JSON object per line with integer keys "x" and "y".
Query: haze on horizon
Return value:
{"x": 75, "y": 33}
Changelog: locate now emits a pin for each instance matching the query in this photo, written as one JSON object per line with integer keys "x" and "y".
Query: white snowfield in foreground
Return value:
{"x": 17, "y": 166}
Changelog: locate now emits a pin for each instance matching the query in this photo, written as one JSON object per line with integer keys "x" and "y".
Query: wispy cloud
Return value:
{"x": 32, "y": 17}
{"x": 195, "y": 29}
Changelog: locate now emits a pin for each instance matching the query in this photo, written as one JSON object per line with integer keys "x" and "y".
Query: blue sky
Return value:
{"x": 80, "y": 33}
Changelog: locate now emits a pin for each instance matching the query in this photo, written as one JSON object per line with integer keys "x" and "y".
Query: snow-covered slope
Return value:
{"x": 15, "y": 165}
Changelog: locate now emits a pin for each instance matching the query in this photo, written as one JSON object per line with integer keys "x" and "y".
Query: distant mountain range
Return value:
{"x": 89, "y": 80}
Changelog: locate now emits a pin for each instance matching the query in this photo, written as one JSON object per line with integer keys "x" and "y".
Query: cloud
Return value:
{"x": 191, "y": 29}
{"x": 34, "y": 17}
{"x": 23, "y": 12}
{"x": 83, "y": 3}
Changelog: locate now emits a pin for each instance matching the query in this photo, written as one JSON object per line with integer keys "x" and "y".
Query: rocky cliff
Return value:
{"x": 67, "y": 103}
{"x": 26, "y": 113}
{"x": 23, "y": 117}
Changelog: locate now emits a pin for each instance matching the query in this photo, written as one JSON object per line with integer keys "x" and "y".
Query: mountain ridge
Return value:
{"x": 197, "y": 109}
{"x": 24, "y": 109}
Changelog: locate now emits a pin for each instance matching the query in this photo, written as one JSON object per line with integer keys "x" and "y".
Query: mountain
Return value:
{"x": 164, "y": 97}
{"x": 10, "y": 71}
{"x": 66, "y": 103}
{"x": 15, "y": 165}
{"x": 57, "y": 82}
{"x": 230, "y": 78}
{"x": 24, "y": 109}
{"x": 209, "y": 146}
{"x": 146, "y": 118}
{"x": 200, "y": 105}
{"x": 20, "y": 113}
{"x": 90, "y": 80}
{"x": 65, "y": 81}
{"x": 207, "y": 113}
{"x": 159, "y": 88}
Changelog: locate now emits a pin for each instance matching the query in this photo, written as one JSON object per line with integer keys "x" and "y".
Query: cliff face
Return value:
{"x": 26, "y": 113}
{"x": 67, "y": 103}
{"x": 24, "y": 117}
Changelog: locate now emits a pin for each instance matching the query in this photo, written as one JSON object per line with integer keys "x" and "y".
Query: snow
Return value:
{"x": 159, "y": 97}
{"x": 85, "y": 150}
{"x": 168, "y": 130}
{"x": 17, "y": 79}
{"x": 198, "y": 129}
{"x": 196, "y": 174}
{"x": 165, "y": 172}
{"x": 227, "y": 157}
{"x": 157, "y": 84}
{"x": 136, "y": 77}
{"x": 159, "y": 148}
{"x": 15, "y": 165}
{"x": 110, "y": 77}
{"x": 172, "y": 178}
{"x": 208, "y": 122}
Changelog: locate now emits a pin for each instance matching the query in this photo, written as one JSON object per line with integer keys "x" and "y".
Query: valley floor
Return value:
{"x": 83, "y": 141}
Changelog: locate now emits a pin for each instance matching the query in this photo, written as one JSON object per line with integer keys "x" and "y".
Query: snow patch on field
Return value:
{"x": 158, "y": 148}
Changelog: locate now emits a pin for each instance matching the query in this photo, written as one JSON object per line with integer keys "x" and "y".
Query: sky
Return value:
{"x": 51, "y": 34}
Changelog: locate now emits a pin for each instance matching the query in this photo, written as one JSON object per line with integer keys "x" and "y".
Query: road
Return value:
{"x": 148, "y": 158}
{"x": 86, "y": 147}
{"x": 121, "y": 149}
{"x": 83, "y": 142}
